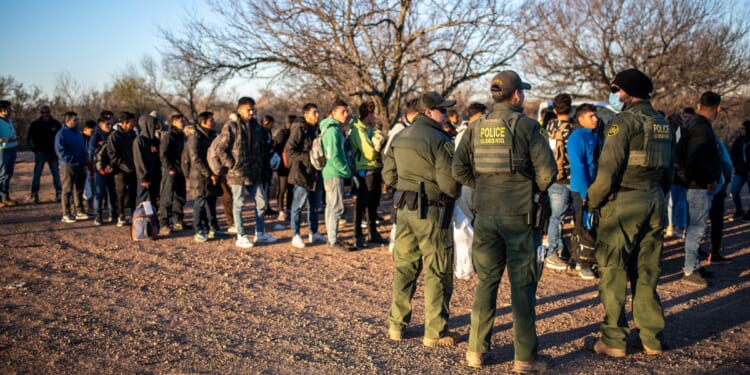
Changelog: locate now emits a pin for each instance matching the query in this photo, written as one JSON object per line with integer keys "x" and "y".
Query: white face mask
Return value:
{"x": 614, "y": 101}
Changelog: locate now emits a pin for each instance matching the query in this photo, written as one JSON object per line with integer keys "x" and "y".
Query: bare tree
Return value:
{"x": 685, "y": 46}
{"x": 131, "y": 91}
{"x": 357, "y": 49}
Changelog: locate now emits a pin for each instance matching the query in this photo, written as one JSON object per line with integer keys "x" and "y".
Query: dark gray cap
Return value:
{"x": 508, "y": 81}
{"x": 432, "y": 99}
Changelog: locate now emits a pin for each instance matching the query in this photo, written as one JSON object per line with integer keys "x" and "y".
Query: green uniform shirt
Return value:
{"x": 623, "y": 134}
{"x": 421, "y": 152}
{"x": 507, "y": 193}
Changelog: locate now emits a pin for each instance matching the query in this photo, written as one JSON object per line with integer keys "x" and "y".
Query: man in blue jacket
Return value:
{"x": 71, "y": 151}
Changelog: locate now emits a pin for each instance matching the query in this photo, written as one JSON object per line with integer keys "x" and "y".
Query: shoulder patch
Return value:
{"x": 613, "y": 130}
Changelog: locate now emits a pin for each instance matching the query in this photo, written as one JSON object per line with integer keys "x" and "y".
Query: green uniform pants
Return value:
{"x": 420, "y": 243}
{"x": 501, "y": 240}
{"x": 629, "y": 247}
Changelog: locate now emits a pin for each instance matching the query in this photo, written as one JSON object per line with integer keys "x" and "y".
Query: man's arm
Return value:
{"x": 461, "y": 167}
{"x": 612, "y": 163}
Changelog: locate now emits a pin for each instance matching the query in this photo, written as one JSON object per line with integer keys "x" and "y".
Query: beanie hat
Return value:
{"x": 634, "y": 82}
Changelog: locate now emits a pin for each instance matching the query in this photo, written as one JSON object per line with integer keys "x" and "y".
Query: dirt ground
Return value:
{"x": 83, "y": 299}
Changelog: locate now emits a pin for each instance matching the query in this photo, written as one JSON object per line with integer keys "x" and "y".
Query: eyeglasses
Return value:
{"x": 614, "y": 88}
{"x": 441, "y": 110}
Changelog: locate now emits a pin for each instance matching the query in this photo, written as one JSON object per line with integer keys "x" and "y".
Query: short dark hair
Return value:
{"x": 102, "y": 119}
{"x": 5, "y": 104}
{"x": 338, "y": 103}
{"x": 412, "y": 105}
{"x": 126, "y": 116}
{"x": 268, "y": 118}
{"x": 106, "y": 114}
{"x": 585, "y": 108}
{"x": 246, "y": 100}
{"x": 688, "y": 111}
{"x": 89, "y": 124}
{"x": 452, "y": 112}
{"x": 308, "y": 106}
{"x": 475, "y": 108}
{"x": 562, "y": 103}
{"x": 69, "y": 115}
{"x": 203, "y": 116}
{"x": 367, "y": 107}
{"x": 175, "y": 117}
{"x": 710, "y": 99}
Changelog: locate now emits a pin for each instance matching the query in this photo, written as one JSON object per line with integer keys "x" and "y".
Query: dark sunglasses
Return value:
{"x": 613, "y": 89}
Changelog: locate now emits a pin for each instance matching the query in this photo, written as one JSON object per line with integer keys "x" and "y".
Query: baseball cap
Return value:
{"x": 508, "y": 81}
{"x": 432, "y": 99}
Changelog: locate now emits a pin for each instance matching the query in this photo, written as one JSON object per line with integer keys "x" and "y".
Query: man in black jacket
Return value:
{"x": 41, "y": 140}
{"x": 699, "y": 172}
{"x": 740, "y": 154}
{"x": 172, "y": 196}
{"x": 204, "y": 184}
{"x": 120, "y": 152}
{"x": 307, "y": 181}
{"x": 146, "y": 160}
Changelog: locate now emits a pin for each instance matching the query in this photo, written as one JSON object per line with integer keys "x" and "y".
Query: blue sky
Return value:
{"x": 89, "y": 40}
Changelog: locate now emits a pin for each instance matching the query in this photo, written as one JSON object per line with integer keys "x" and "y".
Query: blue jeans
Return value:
{"x": 51, "y": 159}
{"x": 7, "y": 166}
{"x": 677, "y": 206}
{"x": 559, "y": 200}
{"x": 303, "y": 196}
{"x": 737, "y": 183}
{"x": 238, "y": 199}
{"x": 697, "y": 207}
{"x": 204, "y": 214}
{"x": 334, "y": 206}
{"x": 105, "y": 184}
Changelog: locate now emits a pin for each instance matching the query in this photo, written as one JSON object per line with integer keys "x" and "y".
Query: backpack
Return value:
{"x": 214, "y": 162}
{"x": 560, "y": 136}
{"x": 101, "y": 158}
{"x": 145, "y": 225}
{"x": 318, "y": 157}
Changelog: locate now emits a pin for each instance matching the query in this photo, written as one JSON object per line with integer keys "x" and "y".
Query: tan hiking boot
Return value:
{"x": 447, "y": 340}
{"x": 529, "y": 367}
{"x": 474, "y": 359}
{"x": 601, "y": 348}
{"x": 394, "y": 335}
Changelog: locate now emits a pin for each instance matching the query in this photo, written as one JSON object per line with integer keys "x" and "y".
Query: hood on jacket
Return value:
{"x": 328, "y": 121}
{"x": 147, "y": 124}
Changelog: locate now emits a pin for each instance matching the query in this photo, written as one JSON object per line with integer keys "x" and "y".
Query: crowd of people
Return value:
{"x": 628, "y": 184}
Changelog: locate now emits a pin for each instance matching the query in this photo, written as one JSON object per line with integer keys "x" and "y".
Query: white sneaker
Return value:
{"x": 243, "y": 242}
{"x": 297, "y": 242}
{"x": 232, "y": 229}
{"x": 317, "y": 237}
{"x": 264, "y": 238}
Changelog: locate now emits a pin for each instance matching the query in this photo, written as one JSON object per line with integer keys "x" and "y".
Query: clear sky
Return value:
{"x": 91, "y": 40}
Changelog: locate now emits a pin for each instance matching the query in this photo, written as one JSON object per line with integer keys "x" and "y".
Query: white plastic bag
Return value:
{"x": 463, "y": 235}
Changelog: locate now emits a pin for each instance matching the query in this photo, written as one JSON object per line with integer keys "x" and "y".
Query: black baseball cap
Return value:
{"x": 432, "y": 99}
{"x": 507, "y": 82}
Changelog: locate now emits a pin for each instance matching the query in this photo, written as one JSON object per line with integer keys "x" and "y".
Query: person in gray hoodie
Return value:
{"x": 147, "y": 161}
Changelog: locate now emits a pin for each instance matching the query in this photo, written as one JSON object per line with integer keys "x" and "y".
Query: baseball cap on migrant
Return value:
{"x": 506, "y": 82}
{"x": 432, "y": 100}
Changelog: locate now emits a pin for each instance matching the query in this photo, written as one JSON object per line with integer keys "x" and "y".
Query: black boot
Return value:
{"x": 360, "y": 241}
{"x": 375, "y": 236}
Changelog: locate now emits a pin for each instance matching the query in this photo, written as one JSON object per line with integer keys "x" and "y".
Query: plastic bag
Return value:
{"x": 463, "y": 235}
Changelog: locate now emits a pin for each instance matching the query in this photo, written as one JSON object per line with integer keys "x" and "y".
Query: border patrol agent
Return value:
{"x": 418, "y": 166}
{"x": 635, "y": 173}
{"x": 505, "y": 157}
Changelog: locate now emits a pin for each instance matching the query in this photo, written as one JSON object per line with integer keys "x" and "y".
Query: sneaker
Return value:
{"x": 68, "y": 219}
{"x": 215, "y": 233}
{"x": 363, "y": 225}
{"x": 9, "y": 203}
{"x": 394, "y": 335}
{"x": 264, "y": 238}
{"x": 232, "y": 229}
{"x": 282, "y": 216}
{"x": 342, "y": 221}
{"x": 529, "y": 367}
{"x": 554, "y": 262}
{"x": 339, "y": 247}
{"x": 650, "y": 351}
{"x": 718, "y": 259}
{"x": 279, "y": 226}
{"x": 82, "y": 216}
{"x": 98, "y": 221}
{"x": 122, "y": 222}
{"x": 243, "y": 242}
{"x": 34, "y": 198}
{"x": 178, "y": 226}
{"x": 447, "y": 340}
{"x": 297, "y": 242}
{"x": 694, "y": 279}
{"x": 601, "y": 348}
{"x": 474, "y": 359}
{"x": 317, "y": 237}
{"x": 200, "y": 237}
{"x": 164, "y": 231}
{"x": 585, "y": 272}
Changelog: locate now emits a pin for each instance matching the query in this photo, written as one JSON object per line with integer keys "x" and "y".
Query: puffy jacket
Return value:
{"x": 279, "y": 142}
{"x": 301, "y": 172}
{"x": 363, "y": 149}
{"x": 243, "y": 153}
{"x": 170, "y": 150}
{"x": 702, "y": 158}
{"x": 197, "y": 151}
{"x": 146, "y": 151}
{"x": 41, "y": 135}
{"x": 97, "y": 140}
{"x": 71, "y": 147}
{"x": 739, "y": 153}
{"x": 333, "y": 146}
{"x": 120, "y": 151}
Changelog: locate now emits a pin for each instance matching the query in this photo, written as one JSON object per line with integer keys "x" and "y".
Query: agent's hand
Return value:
{"x": 144, "y": 184}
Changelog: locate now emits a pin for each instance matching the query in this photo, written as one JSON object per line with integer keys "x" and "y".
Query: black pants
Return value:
{"x": 716, "y": 215}
{"x": 577, "y": 203}
{"x": 172, "y": 198}
{"x": 125, "y": 188}
{"x": 204, "y": 214}
{"x": 73, "y": 183}
{"x": 368, "y": 197}
{"x": 286, "y": 194}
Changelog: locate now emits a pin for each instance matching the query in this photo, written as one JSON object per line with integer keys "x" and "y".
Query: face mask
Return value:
{"x": 614, "y": 101}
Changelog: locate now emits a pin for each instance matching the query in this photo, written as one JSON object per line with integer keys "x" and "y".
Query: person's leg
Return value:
{"x": 558, "y": 198}
{"x": 716, "y": 215}
{"x": 101, "y": 187}
{"x": 281, "y": 197}
{"x": 737, "y": 183}
{"x": 54, "y": 169}
{"x": 361, "y": 201}
{"x": 39, "y": 160}
{"x": 334, "y": 207}
{"x": 407, "y": 262}
{"x": 213, "y": 223}
{"x": 165, "y": 204}
{"x": 4, "y": 175}
{"x": 179, "y": 195}
{"x": 374, "y": 183}
{"x": 68, "y": 179}
{"x": 132, "y": 183}
{"x": 226, "y": 202}
{"x": 238, "y": 200}
{"x": 314, "y": 200}
{"x": 199, "y": 204}
{"x": 120, "y": 186}
{"x": 258, "y": 192}
{"x": 114, "y": 208}
{"x": 79, "y": 184}
{"x": 298, "y": 203}
{"x": 697, "y": 216}
{"x": 523, "y": 275}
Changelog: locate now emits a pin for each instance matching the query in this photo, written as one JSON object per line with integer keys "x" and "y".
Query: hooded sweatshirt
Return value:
{"x": 333, "y": 146}
{"x": 71, "y": 147}
{"x": 366, "y": 158}
{"x": 146, "y": 151}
